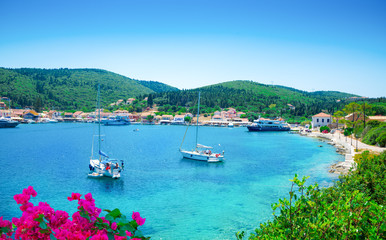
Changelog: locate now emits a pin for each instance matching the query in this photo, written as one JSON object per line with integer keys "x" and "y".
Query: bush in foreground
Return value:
{"x": 43, "y": 222}
{"x": 352, "y": 209}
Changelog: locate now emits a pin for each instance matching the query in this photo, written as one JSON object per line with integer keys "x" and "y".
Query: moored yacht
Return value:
{"x": 263, "y": 124}
{"x": 7, "y": 123}
{"x": 201, "y": 152}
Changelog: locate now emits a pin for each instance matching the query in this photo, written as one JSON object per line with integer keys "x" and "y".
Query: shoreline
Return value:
{"x": 345, "y": 146}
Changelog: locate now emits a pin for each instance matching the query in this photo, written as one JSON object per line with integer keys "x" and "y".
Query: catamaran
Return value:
{"x": 201, "y": 152}
{"x": 103, "y": 166}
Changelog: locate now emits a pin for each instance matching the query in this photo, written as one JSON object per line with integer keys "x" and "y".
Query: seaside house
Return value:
{"x": 144, "y": 116}
{"x": 77, "y": 114}
{"x": 2, "y": 105}
{"x": 321, "y": 119}
{"x": 17, "y": 112}
{"x": 31, "y": 114}
{"x": 178, "y": 120}
{"x": 239, "y": 114}
{"x": 166, "y": 119}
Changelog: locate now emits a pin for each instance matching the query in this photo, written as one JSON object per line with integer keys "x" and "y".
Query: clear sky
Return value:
{"x": 309, "y": 45}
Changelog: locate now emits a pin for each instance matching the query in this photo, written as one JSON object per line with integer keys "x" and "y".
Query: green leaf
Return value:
{"x": 115, "y": 213}
{"x": 4, "y": 230}
{"x": 43, "y": 225}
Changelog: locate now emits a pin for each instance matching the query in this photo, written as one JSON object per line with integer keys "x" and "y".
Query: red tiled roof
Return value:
{"x": 322, "y": 115}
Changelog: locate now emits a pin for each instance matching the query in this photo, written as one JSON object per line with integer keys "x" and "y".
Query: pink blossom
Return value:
{"x": 21, "y": 198}
{"x": 140, "y": 221}
{"x": 114, "y": 226}
{"x": 74, "y": 196}
{"x": 129, "y": 233}
{"x": 117, "y": 237}
{"x": 30, "y": 191}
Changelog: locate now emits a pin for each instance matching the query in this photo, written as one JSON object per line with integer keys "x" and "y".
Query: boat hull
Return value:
{"x": 8, "y": 124}
{"x": 116, "y": 123}
{"x": 266, "y": 129}
{"x": 202, "y": 157}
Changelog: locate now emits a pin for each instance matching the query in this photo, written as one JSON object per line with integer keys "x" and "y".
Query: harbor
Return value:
{"x": 157, "y": 180}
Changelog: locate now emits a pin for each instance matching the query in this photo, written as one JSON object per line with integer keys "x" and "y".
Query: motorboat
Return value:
{"x": 263, "y": 124}
{"x": 7, "y": 123}
{"x": 117, "y": 121}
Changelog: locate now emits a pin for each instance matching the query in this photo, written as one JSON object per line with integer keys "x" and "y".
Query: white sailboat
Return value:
{"x": 103, "y": 166}
{"x": 201, "y": 152}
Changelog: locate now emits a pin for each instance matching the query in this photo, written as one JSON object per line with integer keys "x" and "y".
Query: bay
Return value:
{"x": 180, "y": 198}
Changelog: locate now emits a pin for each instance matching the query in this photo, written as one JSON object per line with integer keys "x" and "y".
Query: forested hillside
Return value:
{"x": 76, "y": 89}
{"x": 66, "y": 89}
{"x": 248, "y": 96}
{"x": 157, "y": 86}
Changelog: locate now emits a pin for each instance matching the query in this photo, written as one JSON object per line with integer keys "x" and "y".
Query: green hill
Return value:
{"x": 66, "y": 89}
{"x": 249, "y": 96}
{"x": 157, "y": 86}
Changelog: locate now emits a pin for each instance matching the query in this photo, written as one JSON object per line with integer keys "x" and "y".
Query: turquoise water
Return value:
{"x": 180, "y": 199}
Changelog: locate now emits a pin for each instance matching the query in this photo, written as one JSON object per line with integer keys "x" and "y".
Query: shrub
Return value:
{"x": 381, "y": 140}
{"x": 354, "y": 208}
{"x": 43, "y": 222}
{"x": 325, "y": 128}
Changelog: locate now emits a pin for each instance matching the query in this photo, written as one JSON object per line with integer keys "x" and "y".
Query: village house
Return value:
{"x": 179, "y": 120}
{"x": 291, "y": 106}
{"x": 239, "y": 114}
{"x": 378, "y": 118}
{"x": 321, "y": 119}
{"x": 354, "y": 117}
{"x": 31, "y": 115}
{"x": 119, "y": 102}
{"x": 130, "y": 100}
{"x": 77, "y": 114}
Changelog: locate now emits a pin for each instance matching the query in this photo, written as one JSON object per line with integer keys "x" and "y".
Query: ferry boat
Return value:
{"x": 263, "y": 124}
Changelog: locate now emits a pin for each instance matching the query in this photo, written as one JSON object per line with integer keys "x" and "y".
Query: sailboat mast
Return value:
{"x": 99, "y": 119}
{"x": 198, "y": 114}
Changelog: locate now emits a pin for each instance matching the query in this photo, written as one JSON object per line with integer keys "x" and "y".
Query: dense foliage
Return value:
{"x": 68, "y": 89}
{"x": 157, "y": 86}
{"x": 43, "y": 222}
{"x": 371, "y": 132}
{"x": 255, "y": 99}
{"x": 354, "y": 208}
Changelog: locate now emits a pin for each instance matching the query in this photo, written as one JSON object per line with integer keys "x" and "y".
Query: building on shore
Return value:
{"x": 321, "y": 119}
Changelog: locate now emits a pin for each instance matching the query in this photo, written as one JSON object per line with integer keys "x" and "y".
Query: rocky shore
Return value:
{"x": 344, "y": 146}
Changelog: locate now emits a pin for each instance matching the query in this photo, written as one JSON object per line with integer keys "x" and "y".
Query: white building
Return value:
{"x": 321, "y": 119}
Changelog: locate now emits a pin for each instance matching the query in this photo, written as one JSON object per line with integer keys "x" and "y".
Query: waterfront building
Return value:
{"x": 321, "y": 119}
{"x": 179, "y": 120}
{"x": 31, "y": 115}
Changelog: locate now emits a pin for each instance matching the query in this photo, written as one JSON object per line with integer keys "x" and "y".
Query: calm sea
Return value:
{"x": 180, "y": 198}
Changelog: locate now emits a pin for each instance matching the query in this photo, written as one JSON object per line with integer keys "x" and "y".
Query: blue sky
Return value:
{"x": 308, "y": 45}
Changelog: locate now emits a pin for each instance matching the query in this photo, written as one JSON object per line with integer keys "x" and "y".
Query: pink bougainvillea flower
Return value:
{"x": 129, "y": 233}
{"x": 114, "y": 226}
{"x": 21, "y": 198}
{"x": 140, "y": 221}
{"x": 74, "y": 196}
{"x": 30, "y": 191}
